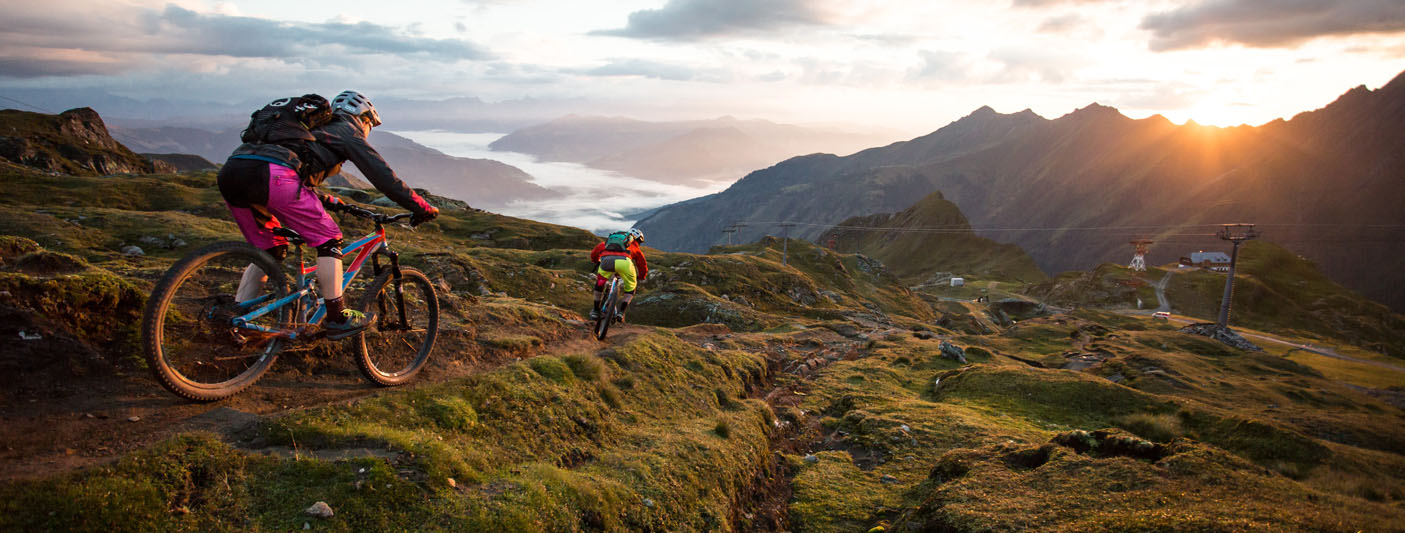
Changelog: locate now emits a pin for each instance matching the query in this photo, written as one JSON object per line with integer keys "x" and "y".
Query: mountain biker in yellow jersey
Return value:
{"x": 619, "y": 254}
{"x": 267, "y": 183}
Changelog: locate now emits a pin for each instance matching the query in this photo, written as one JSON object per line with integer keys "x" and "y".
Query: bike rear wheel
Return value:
{"x": 189, "y": 339}
{"x": 393, "y": 350}
{"x": 608, "y": 309}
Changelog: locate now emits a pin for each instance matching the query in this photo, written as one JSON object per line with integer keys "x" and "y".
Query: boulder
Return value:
{"x": 1222, "y": 334}
{"x": 953, "y": 352}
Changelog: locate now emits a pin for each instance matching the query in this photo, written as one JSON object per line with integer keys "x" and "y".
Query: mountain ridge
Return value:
{"x": 484, "y": 182}
{"x": 1095, "y": 168}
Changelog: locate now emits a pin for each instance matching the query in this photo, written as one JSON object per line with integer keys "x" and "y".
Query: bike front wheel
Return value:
{"x": 608, "y": 309}
{"x": 396, "y": 346}
{"x": 188, "y": 333}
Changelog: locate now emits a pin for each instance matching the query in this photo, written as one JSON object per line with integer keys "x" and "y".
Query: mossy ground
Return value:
{"x": 550, "y": 444}
{"x": 665, "y": 430}
{"x": 968, "y": 448}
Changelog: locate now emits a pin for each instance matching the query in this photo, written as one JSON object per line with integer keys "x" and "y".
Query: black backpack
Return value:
{"x": 289, "y": 122}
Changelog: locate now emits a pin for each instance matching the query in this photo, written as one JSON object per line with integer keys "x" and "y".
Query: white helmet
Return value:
{"x": 356, "y": 104}
{"x": 637, "y": 234}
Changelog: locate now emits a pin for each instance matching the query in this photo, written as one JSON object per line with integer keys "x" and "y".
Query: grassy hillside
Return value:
{"x": 1108, "y": 285}
{"x": 73, "y": 142}
{"x": 744, "y": 395}
{"x": 909, "y": 246}
{"x": 1278, "y": 290}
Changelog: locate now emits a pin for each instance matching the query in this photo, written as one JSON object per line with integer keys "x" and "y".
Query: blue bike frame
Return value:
{"x": 367, "y": 246}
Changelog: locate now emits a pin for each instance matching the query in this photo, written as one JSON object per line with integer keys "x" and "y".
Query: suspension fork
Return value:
{"x": 397, "y": 282}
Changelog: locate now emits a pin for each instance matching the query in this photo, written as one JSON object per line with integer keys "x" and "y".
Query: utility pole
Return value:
{"x": 729, "y": 231}
{"x": 1142, "y": 246}
{"x": 1237, "y": 234}
{"x": 785, "y": 242}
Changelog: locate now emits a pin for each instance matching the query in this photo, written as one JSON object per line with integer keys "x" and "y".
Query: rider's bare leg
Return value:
{"x": 329, "y": 274}
{"x": 251, "y": 284}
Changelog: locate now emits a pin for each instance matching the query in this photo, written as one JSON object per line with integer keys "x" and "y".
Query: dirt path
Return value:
{"x": 1163, "y": 303}
{"x": 93, "y": 421}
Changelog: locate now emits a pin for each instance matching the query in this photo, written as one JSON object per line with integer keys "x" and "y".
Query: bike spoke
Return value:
{"x": 199, "y": 341}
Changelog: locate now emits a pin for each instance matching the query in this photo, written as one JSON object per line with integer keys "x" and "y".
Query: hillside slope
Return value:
{"x": 741, "y": 394}
{"x": 1304, "y": 180}
{"x": 73, "y": 142}
{"x": 837, "y": 411}
{"x": 928, "y": 238}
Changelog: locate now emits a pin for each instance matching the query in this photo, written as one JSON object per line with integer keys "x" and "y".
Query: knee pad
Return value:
{"x": 278, "y": 252}
{"x": 331, "y": 248}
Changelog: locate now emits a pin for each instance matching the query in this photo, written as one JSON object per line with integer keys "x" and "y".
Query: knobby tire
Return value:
{"x": 390, "y": 353}
{"x": 159, "y": 313}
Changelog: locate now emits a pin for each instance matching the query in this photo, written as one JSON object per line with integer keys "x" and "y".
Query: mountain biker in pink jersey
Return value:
{"x": 268, "y": 184}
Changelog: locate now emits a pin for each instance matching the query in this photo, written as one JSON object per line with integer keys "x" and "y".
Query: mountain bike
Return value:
{"x": 202, "y": 345}
{"x": 609, "y": 307}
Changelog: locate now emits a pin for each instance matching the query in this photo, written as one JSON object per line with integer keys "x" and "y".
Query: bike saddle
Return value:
{"x": 292, "y": 236}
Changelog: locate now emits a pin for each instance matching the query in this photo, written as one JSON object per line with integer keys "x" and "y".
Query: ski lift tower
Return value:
{"x": 1139, "y": 258}
{"x": 1237, "y": 234}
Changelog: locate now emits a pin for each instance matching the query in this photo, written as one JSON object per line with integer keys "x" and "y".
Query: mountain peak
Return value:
{"x": 984, "y": 110}
{"x": 1095, "y": 111}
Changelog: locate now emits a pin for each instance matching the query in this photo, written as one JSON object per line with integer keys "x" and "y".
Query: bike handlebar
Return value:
{"x": 368, "y": 214}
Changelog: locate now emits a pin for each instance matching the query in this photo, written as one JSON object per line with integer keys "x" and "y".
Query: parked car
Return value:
{"x": 1161, "y": 315}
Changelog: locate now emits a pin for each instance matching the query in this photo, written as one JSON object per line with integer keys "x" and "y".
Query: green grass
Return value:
{"x": 529, "y": 450}
{"x": 915, "y": 256}
{"x": 661, "y": 434}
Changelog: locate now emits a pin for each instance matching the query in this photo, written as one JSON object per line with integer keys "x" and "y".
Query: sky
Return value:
{"x": 908, "y": 65}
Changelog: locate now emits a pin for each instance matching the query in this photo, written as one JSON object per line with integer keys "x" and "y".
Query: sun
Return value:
{"x": 1214, "y": 114}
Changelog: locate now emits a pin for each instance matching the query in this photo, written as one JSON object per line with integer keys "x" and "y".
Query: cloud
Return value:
{"x": 1035, "y": 64}
{"x": 1270, "y": 23}
{"x": 132, "y": 37}
{"x": 940, "y": 65}
{"x": 1051, "y": 3}
{"x": 689, "y": 20}
{"x": 38, "y": 67}
{"x": 1061, "y": 23}
{"x": 646, "y": 69}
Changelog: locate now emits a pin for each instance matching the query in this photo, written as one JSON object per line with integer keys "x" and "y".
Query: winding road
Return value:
{"x": 1165, "y": 306}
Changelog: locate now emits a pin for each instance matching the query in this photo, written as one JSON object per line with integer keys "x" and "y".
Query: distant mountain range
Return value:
{"x": 687, "y": 152}
{"x": 1072, "y": 191}
{"x": 481, "y": 182}
{"x": 461, "y": 114}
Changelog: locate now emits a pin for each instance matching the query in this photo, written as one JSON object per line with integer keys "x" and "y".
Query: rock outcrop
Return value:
{"x": 73, "y": 142}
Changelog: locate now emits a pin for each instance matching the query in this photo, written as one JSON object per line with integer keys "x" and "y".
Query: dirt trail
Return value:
{"x": 94, "y": 420}
{"x": 1163, "y": 303}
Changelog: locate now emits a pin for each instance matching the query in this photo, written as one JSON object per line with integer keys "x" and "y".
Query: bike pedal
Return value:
{"x": 337, "y": 335}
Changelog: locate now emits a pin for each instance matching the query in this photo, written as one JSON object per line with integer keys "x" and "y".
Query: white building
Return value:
{"x": 1217, "y": 261}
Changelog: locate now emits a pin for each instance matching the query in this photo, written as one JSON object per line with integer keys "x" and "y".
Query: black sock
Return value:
{"x": 335, "y": 306}
{"x": 623, "y": 306}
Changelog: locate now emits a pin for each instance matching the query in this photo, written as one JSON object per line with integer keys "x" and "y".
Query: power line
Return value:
{"x": 32, "y": 106}
{"x": 957, "y": 228}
